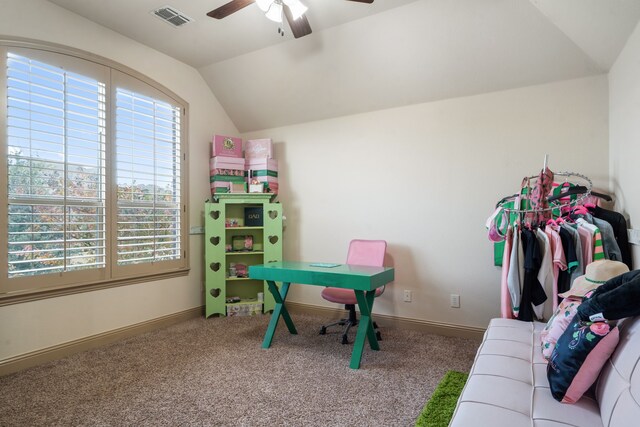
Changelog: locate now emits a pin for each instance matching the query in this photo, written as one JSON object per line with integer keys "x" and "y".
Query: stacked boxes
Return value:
{"x": 227, "y": 164}
{"x": 260, "y": 165}
{"x": 225, "y": 170}
{"x": 226, "y": 146}
{"x": 228, "y": 167}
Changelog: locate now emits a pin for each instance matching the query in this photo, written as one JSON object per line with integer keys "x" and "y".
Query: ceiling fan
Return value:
{"x": 274, "y": 9}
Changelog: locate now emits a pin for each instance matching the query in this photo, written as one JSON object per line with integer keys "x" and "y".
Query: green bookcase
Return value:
{"x": 219, "y": 236}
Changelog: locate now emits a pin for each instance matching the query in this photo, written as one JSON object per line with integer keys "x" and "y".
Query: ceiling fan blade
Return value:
{"x": 363, "y": 1}
{"x": 229, "y": 8}
{"x": 299, "y": 27}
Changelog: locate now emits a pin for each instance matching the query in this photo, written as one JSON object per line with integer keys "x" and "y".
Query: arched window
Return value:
{"x": 93, "y": 169}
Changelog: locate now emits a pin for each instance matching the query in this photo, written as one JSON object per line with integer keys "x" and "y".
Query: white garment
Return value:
{"x": 545, "y": 276}
{"x": 514, "y": 281}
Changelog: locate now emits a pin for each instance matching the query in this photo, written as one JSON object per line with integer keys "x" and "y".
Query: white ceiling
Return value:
{"x": 364, "y": 57}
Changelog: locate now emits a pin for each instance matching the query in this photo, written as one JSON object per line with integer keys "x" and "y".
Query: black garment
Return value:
{"x": 615, "y": 299}
{"x": 569, "y": 247}
{"x": 532, "y": 291}
{"x": 619, "y": 225}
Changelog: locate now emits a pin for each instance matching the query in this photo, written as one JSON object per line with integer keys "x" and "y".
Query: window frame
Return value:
{"x": 22, "y": 289}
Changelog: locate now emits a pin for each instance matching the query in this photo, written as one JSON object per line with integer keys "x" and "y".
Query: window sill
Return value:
{"x": 28, "y": 296}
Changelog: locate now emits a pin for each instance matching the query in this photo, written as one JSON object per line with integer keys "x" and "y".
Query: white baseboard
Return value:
{"x": 438, "y": 328}
{"x": 34, "y": 358}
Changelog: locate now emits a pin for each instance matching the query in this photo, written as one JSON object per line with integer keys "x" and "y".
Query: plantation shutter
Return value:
{"x": 55, "y": 167}
{"x": 148, "y": 174}
{"x": 93, "y": 170}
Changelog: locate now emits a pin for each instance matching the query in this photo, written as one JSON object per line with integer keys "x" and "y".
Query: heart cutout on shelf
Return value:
{"x": 215, "y": 214}
{"x": 215, "y": 266}
{"x": 273, "y": 239}
{"x": 215, "y": 292}
{"x": 273, "y": 214}
{"x": 215, "y": 240}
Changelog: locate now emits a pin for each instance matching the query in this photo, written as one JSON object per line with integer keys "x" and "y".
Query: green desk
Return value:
{"x": 362, "y": 279}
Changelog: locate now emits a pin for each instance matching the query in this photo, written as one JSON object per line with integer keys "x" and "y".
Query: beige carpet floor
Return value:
{"x": 213, "y": 372}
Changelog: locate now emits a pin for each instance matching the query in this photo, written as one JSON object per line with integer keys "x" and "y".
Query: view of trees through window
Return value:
{"x": 57, "y": 175}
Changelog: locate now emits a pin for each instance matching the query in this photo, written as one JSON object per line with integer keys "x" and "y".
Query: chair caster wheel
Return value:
{"x": 345, "y": 340}
{"x": 378, "y": 336}
{"x": 323, "y": 331}
{"x": 375, "y": 325}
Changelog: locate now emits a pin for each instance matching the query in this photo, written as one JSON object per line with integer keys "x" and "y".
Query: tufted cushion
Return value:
{"x": 508, "y": 384}
{"x": 618, "y": 387}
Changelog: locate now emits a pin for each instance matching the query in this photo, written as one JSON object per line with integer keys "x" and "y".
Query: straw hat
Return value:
{"x": 597, "y": 273}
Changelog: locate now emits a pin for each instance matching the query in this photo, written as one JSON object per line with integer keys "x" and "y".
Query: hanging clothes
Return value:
{"x": 568, "y": 247}
{"x": 609, "y": 243}
{"x": 513, "y": 276}
{"x": 558, "y": 258}
{"x": 541, "y": 254}
{"x": 619, "y": 226}
{"x": 598, "y": 250}
{"x": 586, "y": 240}
{"x": 545, "y": 275}
{"x": 533, "y": 294}
{"x": 580, "y": 266}
{"x": 505, "y": 299}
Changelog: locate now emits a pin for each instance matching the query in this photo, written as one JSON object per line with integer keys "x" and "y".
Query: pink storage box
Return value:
{"x": 226, "y": 172}
{"x": 260, "y": 148}
{"x": 223, "y": 162}
{"x": 273, "y": 188}
{"x": 261, "y": 164}
{"x": 270, "y": 179}
{"x": 228, "y": 146}
{"x": 219, "y": 187}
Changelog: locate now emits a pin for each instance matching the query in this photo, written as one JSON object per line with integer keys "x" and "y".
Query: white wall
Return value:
{"x": 425, "y": 177}
{"x": 624, "y": 134}
{"x": 31, "y": 326}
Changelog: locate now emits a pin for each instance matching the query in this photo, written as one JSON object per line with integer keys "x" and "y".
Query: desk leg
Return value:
{"x": 279, "y": 310}
{"x": 365, "y": 327}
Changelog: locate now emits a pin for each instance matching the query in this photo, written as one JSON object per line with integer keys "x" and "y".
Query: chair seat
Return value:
{"x": 343, "y": 296}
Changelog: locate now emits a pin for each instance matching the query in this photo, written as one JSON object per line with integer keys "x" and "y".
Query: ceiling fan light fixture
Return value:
{"x": 264, "y": 4}
{"x": 297, "y": 8}
{"x": 275, "y": 12}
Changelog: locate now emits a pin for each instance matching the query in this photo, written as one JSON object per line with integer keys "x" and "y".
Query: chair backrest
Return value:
{"x": 367, "y": 252}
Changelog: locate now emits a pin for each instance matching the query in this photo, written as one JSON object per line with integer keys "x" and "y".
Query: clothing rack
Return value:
{"x": 586, "y": 182}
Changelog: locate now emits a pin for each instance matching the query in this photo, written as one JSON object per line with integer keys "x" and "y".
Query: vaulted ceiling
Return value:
{"x": 363, "y": 57}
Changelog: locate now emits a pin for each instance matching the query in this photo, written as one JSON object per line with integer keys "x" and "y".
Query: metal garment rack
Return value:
{"x": 569, "y": 177}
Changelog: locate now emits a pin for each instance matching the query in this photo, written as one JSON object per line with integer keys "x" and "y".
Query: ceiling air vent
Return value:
{"x": 172, "y": 16}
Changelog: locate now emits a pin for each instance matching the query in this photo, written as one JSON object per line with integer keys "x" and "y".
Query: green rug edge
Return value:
{"x": 439, "y": 409}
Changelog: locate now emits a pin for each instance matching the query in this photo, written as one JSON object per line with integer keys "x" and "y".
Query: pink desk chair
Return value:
{"x": 361, "y": 252}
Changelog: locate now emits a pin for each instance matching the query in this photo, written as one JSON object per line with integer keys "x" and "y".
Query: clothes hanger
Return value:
{"x": 578, "y": 189}
{"x": 580, "y": 210}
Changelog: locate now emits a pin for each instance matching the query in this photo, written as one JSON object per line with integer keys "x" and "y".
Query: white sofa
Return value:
{"x": 508, "y": 385}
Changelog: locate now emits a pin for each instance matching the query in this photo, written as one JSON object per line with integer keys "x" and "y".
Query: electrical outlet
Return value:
{"x": 455, "y": 301}
{"x": 196, "y": 229}
{"x": 407, "y": 295}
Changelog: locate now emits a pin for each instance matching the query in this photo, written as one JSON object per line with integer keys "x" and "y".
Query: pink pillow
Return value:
{"x": 557, "y": 325}
{"x": 579, "y": 355}
{"x": 592, "y": 366}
